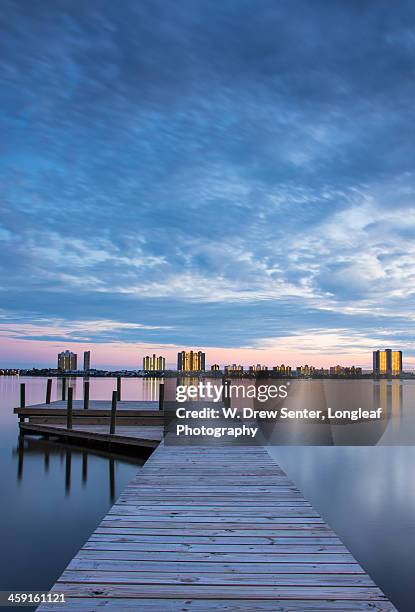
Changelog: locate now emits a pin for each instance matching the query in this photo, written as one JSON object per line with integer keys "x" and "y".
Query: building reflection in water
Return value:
{"x": 397, "y": 393}
{"x": 65, "y": 382}
{"x": 52, "y": 449}
{"x": 387, "y": 394}
{"x": 151, "y": 388}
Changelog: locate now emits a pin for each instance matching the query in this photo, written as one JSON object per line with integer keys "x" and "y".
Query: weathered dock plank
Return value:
{"x": 126, "y": 435}
{"x": 223, "y": 605}
{"x": 215, "y": 529}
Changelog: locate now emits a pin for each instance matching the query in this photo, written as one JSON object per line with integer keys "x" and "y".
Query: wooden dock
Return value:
{"x": 215, "y": 528}
{"x": 138, "y": 424}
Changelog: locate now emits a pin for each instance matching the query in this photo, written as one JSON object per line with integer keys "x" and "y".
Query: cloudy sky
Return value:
{"x": 230, "y": 175}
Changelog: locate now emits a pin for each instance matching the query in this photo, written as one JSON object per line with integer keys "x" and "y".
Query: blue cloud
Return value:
{"x": 227, "y": 170}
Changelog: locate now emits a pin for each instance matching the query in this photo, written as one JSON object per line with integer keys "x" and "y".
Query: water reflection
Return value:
{"x": 84, "y": 467}
{"x": 354, "y": 412}
{"x": 367, "y": 495}
{"x": 62, "y": 385}
{"x": 388, "y": 394}
{"x": 151, "y": 388}
{"x": 334, "y": 398}
{"x": 54, "y": 500}
{"x": 64, "y": 453}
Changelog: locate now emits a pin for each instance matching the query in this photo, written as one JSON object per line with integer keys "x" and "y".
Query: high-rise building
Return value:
{"x": 283, "y": 370}
{"x": 350, "y": 371}
{"x": 305, "y": 370}
{"x": 258, "y": 368}
{"x": 387, "y": 361}
{"x": 190, "y": 361}
{"x": 87, "y": 360}
{"x": 67, "y": 361}
{"x": 234, "y": 369}
{"x": 151, "y": 363}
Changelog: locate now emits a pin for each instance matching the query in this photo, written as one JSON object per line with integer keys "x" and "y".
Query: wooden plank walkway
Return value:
{"x": 215, "y": 528}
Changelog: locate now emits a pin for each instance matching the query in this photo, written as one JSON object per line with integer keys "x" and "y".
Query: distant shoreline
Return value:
{"x": 263, "y": 375}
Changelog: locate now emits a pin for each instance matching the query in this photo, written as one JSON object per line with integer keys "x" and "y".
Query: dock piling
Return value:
{"x": 48, "y": 390}
{"x": 86, "y": 395}
{"x": 161, "y": 396}
{"x": 119, "y": 388}
{"x": 69, "y": 409}
{"x": 113, "y": 412}
{"x": 22, "y": 395}
{"x": 63, "y": 389}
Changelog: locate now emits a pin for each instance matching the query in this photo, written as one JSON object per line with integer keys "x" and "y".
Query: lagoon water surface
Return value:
{"x": 54, "y": 496}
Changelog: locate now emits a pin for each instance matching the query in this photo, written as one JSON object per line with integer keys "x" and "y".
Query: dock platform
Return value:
{"x": 215, "y": 528}
{"x": 139, "y": 424}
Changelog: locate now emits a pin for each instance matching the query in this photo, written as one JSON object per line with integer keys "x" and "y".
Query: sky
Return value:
{"x": 234, "y": 176}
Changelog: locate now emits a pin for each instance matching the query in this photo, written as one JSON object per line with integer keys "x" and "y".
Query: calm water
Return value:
{"x": 367, "y": 495}
{"x": 53, "y": 496}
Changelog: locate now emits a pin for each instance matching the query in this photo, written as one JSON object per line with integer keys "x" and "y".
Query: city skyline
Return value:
{"x": 384, "y": 361}
{"x": 217, "y": 176}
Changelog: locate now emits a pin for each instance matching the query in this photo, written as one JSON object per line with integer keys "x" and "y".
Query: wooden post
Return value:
{"x": 48, "y": 390}
{"x": 63, "y": 388}
{"x": 161, "y": 396}
{"x": 86, "y": 395}
{"x": 119, "y": 388}
{"x": 69, "y": 409}
{"x": 22, "y": 395}
{"x": 113, "y": 412}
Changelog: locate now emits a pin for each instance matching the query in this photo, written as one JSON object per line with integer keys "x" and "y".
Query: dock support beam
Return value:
{"x": 86, "y": 395}
{"x": 119, "y": 388}
{"x": 69, "y": 409}
{"x": 161, "y": 396}
{"x": 48, "y": 390}
{"x": 113, "y": 412}
{"x": 63, "y": 388}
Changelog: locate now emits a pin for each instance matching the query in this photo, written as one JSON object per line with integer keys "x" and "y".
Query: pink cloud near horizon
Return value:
{"x": 18, "y": 352}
